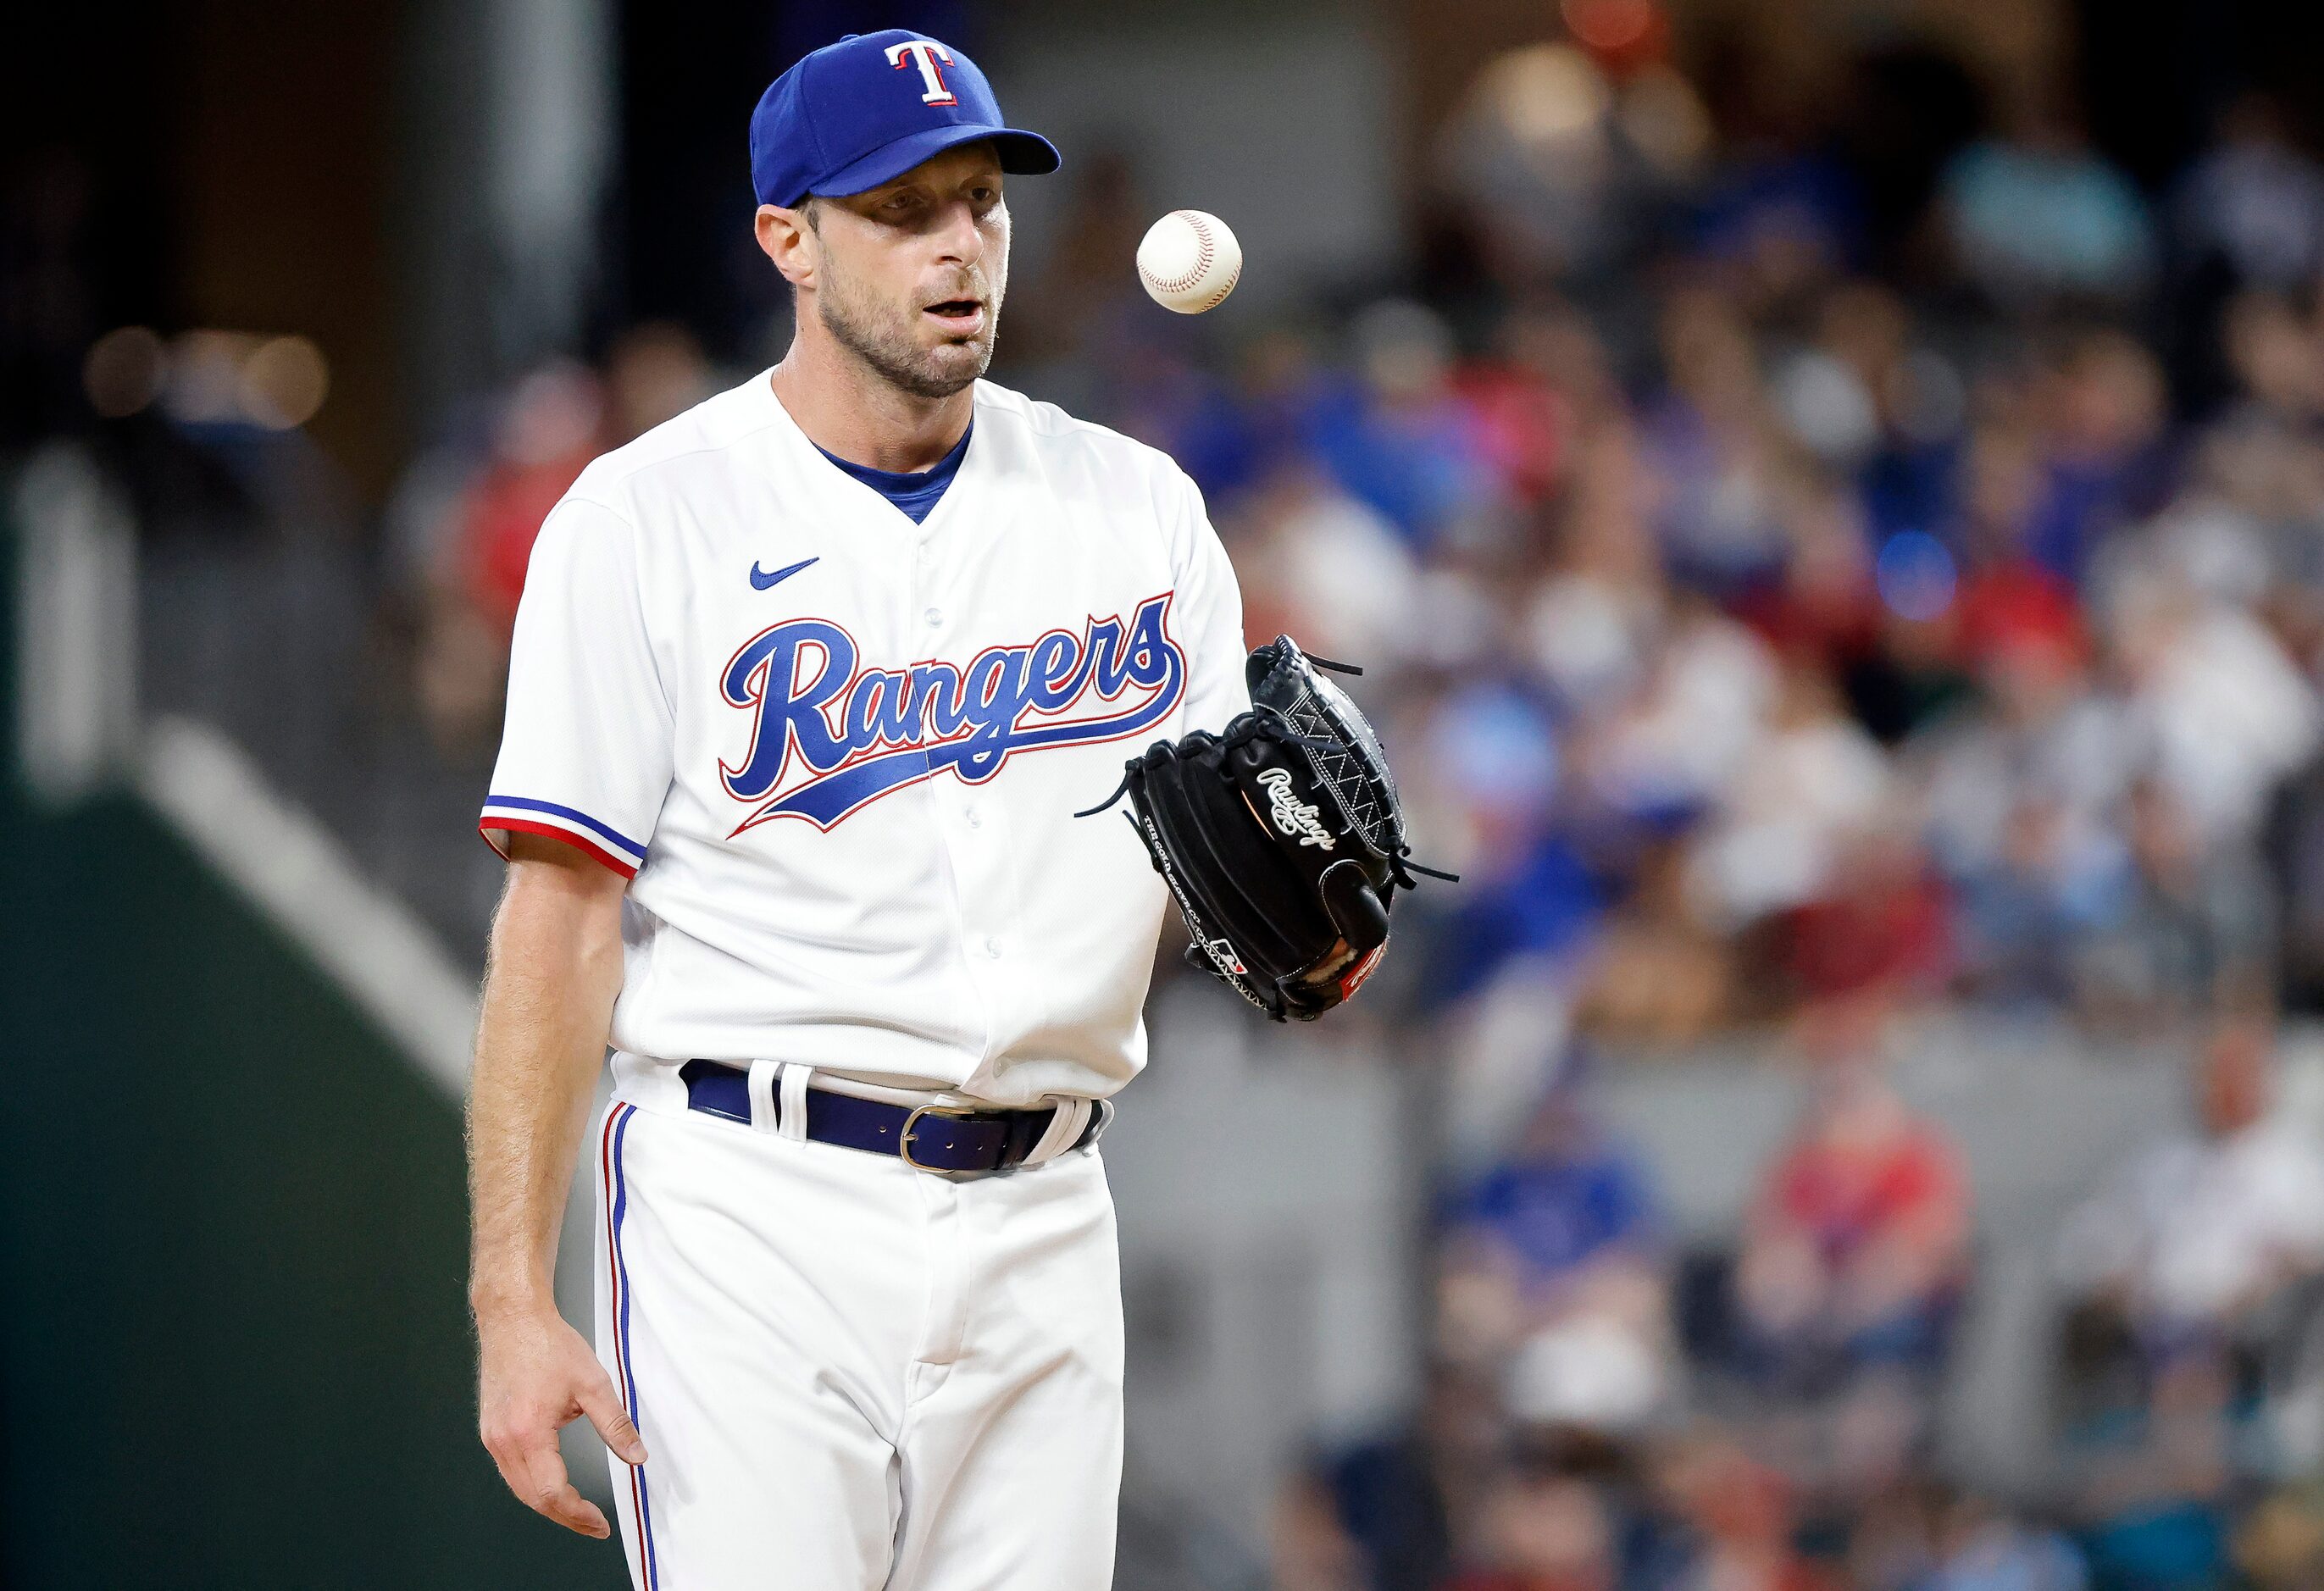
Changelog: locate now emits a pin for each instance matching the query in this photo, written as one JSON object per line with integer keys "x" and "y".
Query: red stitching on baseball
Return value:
{"x": 1202, "y": 258}
{"x": 1226, "y": 287}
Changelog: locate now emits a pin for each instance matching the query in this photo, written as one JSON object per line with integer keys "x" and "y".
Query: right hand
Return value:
{"x": 536, "y": 1376}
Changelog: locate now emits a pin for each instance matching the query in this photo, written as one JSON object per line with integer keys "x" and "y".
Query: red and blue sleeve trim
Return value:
{"x": 521, "y": 815}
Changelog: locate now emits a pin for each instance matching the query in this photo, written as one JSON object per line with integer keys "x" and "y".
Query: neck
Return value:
{"x": 847, "y": 408}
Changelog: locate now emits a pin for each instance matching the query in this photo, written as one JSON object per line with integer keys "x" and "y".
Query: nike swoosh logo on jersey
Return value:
{"x": 763, "y": 581}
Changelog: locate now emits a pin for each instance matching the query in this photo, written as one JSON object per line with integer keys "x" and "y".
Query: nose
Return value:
{"x": 958, "y": 237}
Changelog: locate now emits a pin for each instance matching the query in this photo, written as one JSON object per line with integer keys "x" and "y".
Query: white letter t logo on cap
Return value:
{"x": 924, "y": 53}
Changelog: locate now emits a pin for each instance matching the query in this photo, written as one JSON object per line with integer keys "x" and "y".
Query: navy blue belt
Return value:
{"x": 929, "y": 1137}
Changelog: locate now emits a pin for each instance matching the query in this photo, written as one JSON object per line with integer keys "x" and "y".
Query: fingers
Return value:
{"x": 530, "y": 1386}
{"x": 551, "y": 1494}
{"x": 602, "y": 1404}
{"x": 535, "y": 1471}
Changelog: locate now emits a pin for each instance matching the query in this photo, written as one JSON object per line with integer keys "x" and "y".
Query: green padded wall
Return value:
{"x": 234, "y": 1344}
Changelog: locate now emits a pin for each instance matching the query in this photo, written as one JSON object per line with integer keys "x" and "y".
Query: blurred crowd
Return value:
{"x": 461, "y": 526}
{"x": 1609, "y": 1410}
{"x": 1794, "y": 595}
{"x": 1754, "y": 631}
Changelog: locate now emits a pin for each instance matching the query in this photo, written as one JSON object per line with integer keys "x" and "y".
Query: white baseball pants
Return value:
{"x": 851, "y": 1375}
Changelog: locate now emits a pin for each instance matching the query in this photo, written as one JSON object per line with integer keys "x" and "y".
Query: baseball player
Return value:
{"x": 807, "y": 685}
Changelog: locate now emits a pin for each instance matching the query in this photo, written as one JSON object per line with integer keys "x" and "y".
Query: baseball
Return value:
{"x": 1189, "y": 261}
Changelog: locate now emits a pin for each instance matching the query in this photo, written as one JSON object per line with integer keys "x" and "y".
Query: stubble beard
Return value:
{"x": 881, "y": 336}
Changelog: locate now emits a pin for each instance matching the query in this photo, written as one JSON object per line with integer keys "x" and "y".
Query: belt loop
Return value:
{"x": 793, "y": 1084}
{"x": 1104, "y": 1121}
{"x": 1065, "y": 1124}
{"x": 763, "y": 1116}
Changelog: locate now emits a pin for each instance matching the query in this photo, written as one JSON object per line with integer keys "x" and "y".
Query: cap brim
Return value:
{"x": 1022, "y": 153}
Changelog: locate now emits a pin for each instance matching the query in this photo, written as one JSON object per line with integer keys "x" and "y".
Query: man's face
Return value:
{"x": 911, "y": 273}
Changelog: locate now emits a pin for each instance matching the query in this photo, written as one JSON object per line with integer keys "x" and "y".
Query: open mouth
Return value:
{"x": 959, "y": 317}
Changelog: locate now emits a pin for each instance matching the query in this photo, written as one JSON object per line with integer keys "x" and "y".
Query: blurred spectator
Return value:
{"x": 1163, "y": 396}
{"x": 1590, "y": 625}
{"x": 2281, "y": 1545}
{"x": 1403, "y": 440}
{"x": 2254, "y": 202}
{"x": 2273, "y": 347}
{"x": 1799, "y": 795}
{"x": 1820, "y": 607}
{"x": 1854, "y": 1256}
{"x": 2096, "y": 405}
{"x": 1553, "y": 1266}
{"x": 1066, "y": 306}
{"x": 2023, "y": 801}
{"x": 2228, "y": 715}
{"x": 1307, "y": 1549}
{"x": 1976, "y": 1546}
{"x": 1739, "y": 1513}
{"x": 1408, "y": 1504}
{"x": 552, "y": 425}
{"x": 1321, "y": 567}
{"x": 1714, "y": 455}
{"x": 2040, "y": 213}
{"x": 1545, "y": 1532}
{"x": 1523, "y": 422}
{"x": 653, "y": 372}
{"x": 1536, "y": 152}
{"x": 1496, "y": 762}
{"x": 1700, "y": 703}
{"x": 1862, "y": 396}
{"x": 2184, "y": 1269}
{"x": 1661, "y": 976}
{"x": 2202, "y": 1231}
{"x": 1885, "y": 926}
{"x": 2008, "y": 598}
{"x": 2190, "y": 931}
{"x": 1779, "y": 224}
{"x": 478, "y": 519}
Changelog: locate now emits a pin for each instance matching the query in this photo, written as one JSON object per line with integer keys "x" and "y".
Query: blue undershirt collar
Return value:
{"x": 915, "y": 492}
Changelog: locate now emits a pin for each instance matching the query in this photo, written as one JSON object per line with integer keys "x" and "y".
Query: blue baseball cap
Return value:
{"x": 867, "y": 110}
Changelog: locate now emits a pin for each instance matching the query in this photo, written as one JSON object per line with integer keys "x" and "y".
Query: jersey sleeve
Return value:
{"x": 587, "y": 753}
{"x": 1209, "y": 604}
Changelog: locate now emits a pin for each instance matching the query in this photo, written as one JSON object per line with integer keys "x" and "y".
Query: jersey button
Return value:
{"x": 973, "y": 818}
{"x": 935, "y": 616}
{"x": 991, "y": 947}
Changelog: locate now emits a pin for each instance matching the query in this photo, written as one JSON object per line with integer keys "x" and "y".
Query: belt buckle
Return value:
{"x": 904, "y": 1138}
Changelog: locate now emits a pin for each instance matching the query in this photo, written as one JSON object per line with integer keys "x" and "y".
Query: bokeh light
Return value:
{"x": 124, "y": 371}
{"x": 210, "y": 377}
{"x": 1915, "y": 575}
{"x": 1665, "y": 121}
{"x": 204, "y": 385}
{"x": 1608, "y": 25}
{"x": 284, "y": 381}
{"x": 1543, "y": 95}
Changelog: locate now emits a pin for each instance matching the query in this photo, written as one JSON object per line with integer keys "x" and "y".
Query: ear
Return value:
{"x": 786, "y": 238}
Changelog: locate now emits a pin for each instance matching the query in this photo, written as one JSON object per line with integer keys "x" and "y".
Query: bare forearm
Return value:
{"x": 548, "y": 997}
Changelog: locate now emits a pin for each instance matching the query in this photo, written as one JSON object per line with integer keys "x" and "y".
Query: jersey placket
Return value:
{"x": 970, "y": 827}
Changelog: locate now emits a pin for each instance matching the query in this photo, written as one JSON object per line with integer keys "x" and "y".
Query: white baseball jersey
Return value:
{"x": 841, "y": 751}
